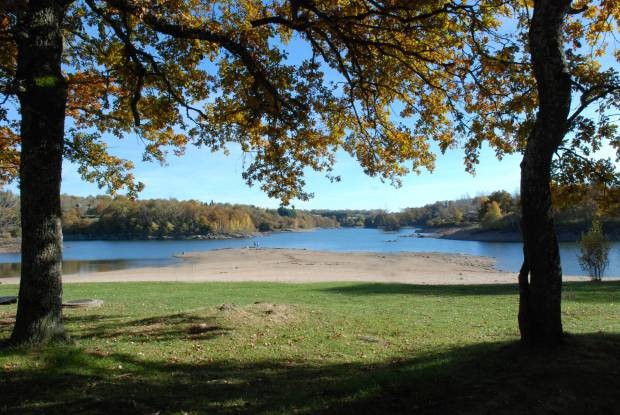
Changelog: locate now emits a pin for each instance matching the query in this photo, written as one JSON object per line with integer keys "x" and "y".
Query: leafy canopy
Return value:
{"x": 379, "y": 79}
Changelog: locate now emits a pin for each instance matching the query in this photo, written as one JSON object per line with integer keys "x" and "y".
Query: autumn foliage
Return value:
{"x": 221, "y": 74}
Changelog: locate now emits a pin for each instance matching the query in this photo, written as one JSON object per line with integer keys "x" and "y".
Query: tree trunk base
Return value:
{"x": 39, "y": 333}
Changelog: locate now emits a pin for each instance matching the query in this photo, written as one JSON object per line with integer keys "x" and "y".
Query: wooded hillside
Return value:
{"x": 103, "y": 217}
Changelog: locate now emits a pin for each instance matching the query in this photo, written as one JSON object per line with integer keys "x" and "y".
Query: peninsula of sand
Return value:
{"x": 300, "y": 265}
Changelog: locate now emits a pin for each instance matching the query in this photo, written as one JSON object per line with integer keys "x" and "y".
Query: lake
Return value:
{"x": 89, "y": 256}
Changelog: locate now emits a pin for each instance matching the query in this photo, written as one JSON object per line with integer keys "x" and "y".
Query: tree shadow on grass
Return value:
{"x": 428, "y": 290}
{"x": 159, "y": 328}
{"x": 592, "y": 292}
{"x": 600, "y": 292}
{"x": 500, "y": 378}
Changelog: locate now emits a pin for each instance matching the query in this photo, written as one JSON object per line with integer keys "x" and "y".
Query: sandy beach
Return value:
{"x": 299, "y": 265}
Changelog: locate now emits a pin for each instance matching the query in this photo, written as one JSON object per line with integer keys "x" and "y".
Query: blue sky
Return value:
{"x": 203, "y": 175}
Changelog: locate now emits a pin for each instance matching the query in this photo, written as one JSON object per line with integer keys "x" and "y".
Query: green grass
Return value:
{"x": 315, "y": 348}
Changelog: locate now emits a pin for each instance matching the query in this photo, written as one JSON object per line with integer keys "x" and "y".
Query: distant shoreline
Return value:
{"x": 470, "y": 233}
{"x": 474, "y": 233}
{"x": 180, "y": 237}
{"x": 10, "y": 246}
{"x": 462, "y": 233}
{"x": 13, "y": 246}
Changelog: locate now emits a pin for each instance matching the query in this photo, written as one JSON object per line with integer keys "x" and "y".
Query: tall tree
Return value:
{"x": 42, "y": 94}
{"x": 213, "y": 73}
{"x": 550, "y": 30}
{"x": 539, "y": 311}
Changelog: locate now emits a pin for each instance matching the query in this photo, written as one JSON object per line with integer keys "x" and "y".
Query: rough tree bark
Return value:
{"x": 540, "y": 296}
{"x": 42, "y": 95}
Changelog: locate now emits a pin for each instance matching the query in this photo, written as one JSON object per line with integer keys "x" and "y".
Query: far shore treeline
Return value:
{"x": 498, "y": 212}
{"x": 104, "y": 217}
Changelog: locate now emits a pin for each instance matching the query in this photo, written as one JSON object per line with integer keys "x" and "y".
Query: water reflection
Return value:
{"x": 12, "y": 269}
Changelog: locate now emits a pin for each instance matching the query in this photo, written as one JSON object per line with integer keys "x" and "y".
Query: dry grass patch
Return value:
{"x": 261, "y": 313}
{"x": 206, "y": 323}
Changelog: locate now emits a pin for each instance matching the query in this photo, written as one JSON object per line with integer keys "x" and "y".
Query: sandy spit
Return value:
{"x": 300, "y": 265}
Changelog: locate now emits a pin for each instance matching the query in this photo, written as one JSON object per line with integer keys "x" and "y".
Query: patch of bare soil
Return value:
{"x": 260, "y": 312}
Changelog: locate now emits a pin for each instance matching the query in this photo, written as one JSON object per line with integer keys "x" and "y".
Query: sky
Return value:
{"x": 203, "y": 175}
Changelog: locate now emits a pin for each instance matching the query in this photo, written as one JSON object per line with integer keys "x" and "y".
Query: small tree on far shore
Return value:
{"x": 594, "y": 246}
{"x": 492, "y": 215}
{"x": 391, "y": 224}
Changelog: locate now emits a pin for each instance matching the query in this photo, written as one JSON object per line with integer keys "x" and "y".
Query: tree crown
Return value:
{"x": 381, "y": 80}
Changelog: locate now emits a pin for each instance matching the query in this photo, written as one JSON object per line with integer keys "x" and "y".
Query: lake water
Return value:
{"x": 89, "y": 256}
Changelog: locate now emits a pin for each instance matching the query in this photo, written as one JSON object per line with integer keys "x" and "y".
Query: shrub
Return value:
{"x": 594, "y": 246}
{"x": 492, "y": 216}
{"x": 391, "y": 224}
{"x": 510, "y": 222}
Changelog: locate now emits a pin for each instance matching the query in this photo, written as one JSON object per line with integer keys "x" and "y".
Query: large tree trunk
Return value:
{"x": 540, "y": 319}
{"x": 42, "y": 96}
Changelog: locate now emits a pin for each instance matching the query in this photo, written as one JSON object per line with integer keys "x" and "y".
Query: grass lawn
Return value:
{"x": 333, "y": 348}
